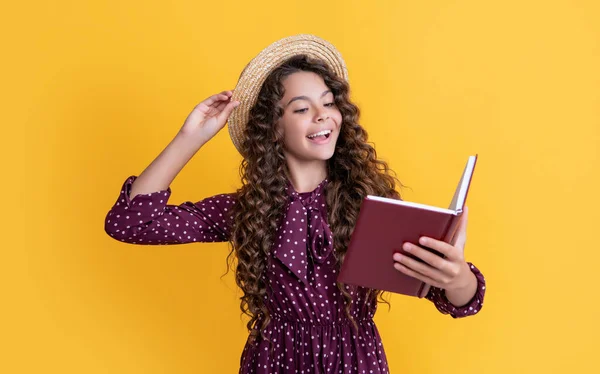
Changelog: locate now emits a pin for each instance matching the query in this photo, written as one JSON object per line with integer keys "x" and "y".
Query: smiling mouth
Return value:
{"x": 321, "y": 135}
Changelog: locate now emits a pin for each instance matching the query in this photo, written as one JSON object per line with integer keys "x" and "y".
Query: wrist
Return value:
{"x": 469, "y": 281}
{"x": 468, "y": 278}
{"x": 464, "y": 292}
{"x": 190, "y": 142}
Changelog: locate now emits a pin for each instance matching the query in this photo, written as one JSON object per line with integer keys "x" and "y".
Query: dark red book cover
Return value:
{"x": 383, "y": 225}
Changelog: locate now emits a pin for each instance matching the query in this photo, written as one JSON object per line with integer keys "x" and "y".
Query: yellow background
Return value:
{"x": 93, "y": 91}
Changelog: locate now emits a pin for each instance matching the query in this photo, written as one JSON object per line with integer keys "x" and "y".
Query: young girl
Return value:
{"x": 306, "y": 168}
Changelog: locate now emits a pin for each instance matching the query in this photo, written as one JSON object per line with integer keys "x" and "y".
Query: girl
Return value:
{"x": 306, "y": 168}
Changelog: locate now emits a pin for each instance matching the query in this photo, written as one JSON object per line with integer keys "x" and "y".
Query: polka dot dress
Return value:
{"x": 309, "y": 331}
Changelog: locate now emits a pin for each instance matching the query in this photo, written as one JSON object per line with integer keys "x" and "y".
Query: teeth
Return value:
{"x": 324, "y": 132}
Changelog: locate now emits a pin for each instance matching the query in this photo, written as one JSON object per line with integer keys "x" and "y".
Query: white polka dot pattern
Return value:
{"x": 438, "y": 297}
{"x": 148, "y": 219}
{"x": 309, "y": 331}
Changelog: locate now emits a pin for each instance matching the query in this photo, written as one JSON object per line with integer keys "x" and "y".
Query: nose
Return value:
{"x": 322, "y": 117}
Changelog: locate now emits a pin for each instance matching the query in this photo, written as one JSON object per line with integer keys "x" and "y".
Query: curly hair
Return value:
{"x": 353, "y": 172}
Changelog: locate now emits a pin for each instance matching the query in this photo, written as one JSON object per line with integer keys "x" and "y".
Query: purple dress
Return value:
{"x": 309, "y": 330}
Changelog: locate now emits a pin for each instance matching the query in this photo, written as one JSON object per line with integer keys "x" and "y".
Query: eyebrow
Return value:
{"x": 305, "y": 97}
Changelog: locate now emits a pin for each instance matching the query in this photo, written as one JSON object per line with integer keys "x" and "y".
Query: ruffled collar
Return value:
{"x": 306, "y": 197}
{"x": 311, "y": 241}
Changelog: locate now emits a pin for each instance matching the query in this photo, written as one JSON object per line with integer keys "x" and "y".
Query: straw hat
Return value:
{"x": 255, "y": 73}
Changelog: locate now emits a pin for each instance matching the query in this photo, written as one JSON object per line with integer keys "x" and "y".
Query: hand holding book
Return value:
{"x": 450, "y": 272}
{"x": 384, "y": 225}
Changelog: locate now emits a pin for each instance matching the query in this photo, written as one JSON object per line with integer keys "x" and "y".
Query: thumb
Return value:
{"x": 461, "y": 234}
{"x": 224, "y": 115}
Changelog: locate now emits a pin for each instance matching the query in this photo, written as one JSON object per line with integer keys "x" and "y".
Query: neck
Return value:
{"x": 306, "y": 176}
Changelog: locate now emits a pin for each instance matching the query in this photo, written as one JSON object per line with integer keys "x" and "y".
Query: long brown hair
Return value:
{"x": 353, "y": 172}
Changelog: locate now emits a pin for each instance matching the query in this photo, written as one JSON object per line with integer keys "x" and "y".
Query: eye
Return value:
{"x": 329, "y": 105}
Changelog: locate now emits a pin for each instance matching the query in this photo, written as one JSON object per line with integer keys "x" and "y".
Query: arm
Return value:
{"x": 452, "y": 279}
{"x": 159, "y": 175}
{"x": 201, "y": 125}
{"x": 141, "y": 214}
{"x": 148, "y": 219}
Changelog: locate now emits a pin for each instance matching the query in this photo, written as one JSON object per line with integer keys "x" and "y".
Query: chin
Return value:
{"x": 324, "y": 154}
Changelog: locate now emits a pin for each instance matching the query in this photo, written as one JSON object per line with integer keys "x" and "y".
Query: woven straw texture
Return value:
{"x": 257, "y": 70}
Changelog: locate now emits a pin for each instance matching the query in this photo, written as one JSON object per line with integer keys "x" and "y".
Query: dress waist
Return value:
{"x": 341, "y": 321}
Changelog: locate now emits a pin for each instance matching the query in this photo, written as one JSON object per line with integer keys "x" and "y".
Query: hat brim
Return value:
{"x": 258, "y": 69}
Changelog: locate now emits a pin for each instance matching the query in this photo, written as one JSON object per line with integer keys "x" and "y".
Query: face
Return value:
{"x": 311, "y": 121}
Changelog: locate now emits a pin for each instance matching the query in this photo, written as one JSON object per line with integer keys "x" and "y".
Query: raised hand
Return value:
{"x": 209, "y": 117}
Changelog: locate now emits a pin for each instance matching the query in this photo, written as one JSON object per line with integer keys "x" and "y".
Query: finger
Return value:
{"x": 224, "y": 115}
{"x": 227, "y": 93}
{"x": 221, "y": 98}
{"x": 216, "y": 97}
{"x": 221, "y": 106}
{"x": 430, "y": 258}
{"x": 414, "y": 274}
{"x": 461, "y": 233}
{"x": 209, "y": 100}
{"x": 419, "y": 267}
{"x": 444, "y": 248}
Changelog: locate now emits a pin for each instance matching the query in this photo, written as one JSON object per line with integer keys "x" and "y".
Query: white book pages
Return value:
{"x": 458, "y": 200}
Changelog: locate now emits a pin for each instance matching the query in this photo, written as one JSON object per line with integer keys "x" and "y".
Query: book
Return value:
{"x": 384, "y": 224}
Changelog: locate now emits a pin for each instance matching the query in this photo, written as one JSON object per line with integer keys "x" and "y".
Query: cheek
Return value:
{"x": 338, "y": 118}
{"x": 297, "y": 126}
{"x": 293, "y": 133}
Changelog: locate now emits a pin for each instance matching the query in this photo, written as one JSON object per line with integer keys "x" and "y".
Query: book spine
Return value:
{"x": 451, "y": 228}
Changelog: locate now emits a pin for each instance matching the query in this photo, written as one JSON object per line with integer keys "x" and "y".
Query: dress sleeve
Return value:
{"x": 148, "y": 219}
{"x": 438, "y": 297}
